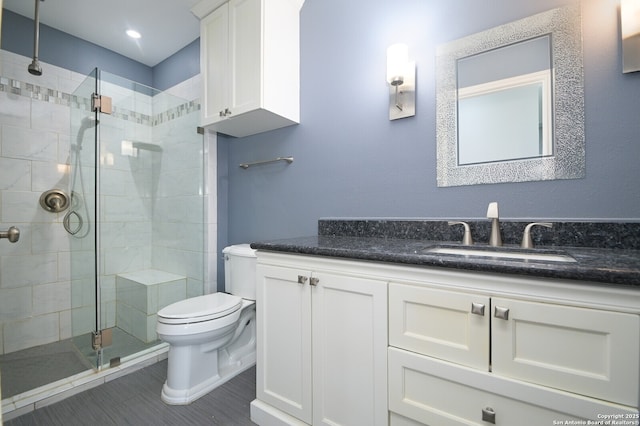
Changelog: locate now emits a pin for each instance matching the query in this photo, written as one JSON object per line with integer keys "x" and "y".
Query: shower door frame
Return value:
{"x": 86, "y": 99}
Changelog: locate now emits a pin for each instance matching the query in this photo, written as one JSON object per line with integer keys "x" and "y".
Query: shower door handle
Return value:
{"x": 13, "y": 234}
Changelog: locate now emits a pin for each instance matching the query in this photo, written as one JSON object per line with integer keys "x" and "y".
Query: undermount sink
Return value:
{"x": 501, "y": 254}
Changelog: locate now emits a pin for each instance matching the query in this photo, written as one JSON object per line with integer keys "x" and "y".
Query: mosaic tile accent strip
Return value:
{"x": 44, "y": 94}
{"x": 29, "y": 90}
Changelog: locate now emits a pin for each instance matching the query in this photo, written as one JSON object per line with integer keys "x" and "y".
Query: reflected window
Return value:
{"x": 505, "y": 103}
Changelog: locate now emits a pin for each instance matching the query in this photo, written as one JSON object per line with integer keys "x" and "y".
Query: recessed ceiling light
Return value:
{"x": 133, "y": 34}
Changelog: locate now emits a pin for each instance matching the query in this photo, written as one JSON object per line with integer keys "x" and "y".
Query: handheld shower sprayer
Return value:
{"x": 86, "y": 123}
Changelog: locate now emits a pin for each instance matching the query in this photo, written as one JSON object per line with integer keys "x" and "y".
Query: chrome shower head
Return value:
{"x": 34, "y": 67}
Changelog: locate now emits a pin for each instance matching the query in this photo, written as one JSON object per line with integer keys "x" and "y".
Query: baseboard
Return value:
{"x": 265, "y": 415}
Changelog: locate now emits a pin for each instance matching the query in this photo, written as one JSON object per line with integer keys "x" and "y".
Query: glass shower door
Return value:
{"x": 79, "y": 220}
{"x": 138, "y": 180}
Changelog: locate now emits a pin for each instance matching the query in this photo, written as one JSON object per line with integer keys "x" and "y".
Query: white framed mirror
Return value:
{"x": 510, "y": 102}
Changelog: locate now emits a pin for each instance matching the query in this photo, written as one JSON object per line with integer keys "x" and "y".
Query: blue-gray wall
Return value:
{"x": 351, "y": 161}
{"x": 178, "y": 67}
{"x": 66, "y": 51}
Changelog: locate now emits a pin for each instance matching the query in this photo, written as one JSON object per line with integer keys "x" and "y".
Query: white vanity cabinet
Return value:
{"x": 322, "y": 344}
{"x": 347, "y": 342}
{"x": 250, "y": 65}
{"x": 458, "y": 357}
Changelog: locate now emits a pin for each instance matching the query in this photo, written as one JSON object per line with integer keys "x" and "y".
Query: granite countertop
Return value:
{"x": 610, "y": 265}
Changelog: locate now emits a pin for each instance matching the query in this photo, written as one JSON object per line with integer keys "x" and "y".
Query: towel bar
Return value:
{"x": 245, "y": 166}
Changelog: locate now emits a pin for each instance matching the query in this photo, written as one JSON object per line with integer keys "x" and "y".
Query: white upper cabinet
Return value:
{"x": 250, "y": 62}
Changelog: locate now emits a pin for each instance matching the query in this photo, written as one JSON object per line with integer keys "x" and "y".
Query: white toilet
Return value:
{"x": 212, "y": 338}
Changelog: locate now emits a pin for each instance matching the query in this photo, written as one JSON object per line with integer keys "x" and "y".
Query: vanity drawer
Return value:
{"x": 591, "y": 352}
{"x": 438, "y": 393}
{"x": 440, "y": 323}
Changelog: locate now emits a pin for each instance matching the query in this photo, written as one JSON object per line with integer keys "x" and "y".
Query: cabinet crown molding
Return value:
{"x": 205, "y": 7}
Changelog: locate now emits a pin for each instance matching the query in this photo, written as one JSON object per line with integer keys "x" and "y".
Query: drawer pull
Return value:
{"x": 502, "y": 313}
{"x": 477, "y": 309}
{"x": 314, "y": 281}
{"x": 488, "y": 415}
{"x": 302, "y": 279}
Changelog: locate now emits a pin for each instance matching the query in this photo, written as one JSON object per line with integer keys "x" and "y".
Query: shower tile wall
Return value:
{"x": 34, "y": 146}
{"x": 35, "y": 281}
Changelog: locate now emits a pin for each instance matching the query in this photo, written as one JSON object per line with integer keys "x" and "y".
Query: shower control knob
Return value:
{"x": 54, "y": 200}
{"x": 12, "y": 234}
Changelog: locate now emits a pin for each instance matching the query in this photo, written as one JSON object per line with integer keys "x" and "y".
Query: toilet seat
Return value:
{"x": 200, "y": 309}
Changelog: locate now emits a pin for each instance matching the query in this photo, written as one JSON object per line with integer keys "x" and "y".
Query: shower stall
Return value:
{"x": 130, "y": 241}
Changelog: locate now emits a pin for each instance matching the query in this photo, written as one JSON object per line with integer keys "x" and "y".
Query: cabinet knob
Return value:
{"x": 501, "y": 313}
{"x": 227, "y": 111}
{"x": 477, "y": 309}
{"x": 488, "y": 415}
{"x": 314, "y": 281}
{"x": 302, "y": 279}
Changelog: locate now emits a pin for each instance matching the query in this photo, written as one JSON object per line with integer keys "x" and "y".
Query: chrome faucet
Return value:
{"x": 495, "y": 239}
{"x": 467, "y": 240}
{"x": 527, "y": 242}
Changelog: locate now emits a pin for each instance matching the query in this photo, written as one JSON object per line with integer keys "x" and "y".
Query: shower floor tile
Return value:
{"x": 34, "y": 367}
{"x": 28, "y": 369}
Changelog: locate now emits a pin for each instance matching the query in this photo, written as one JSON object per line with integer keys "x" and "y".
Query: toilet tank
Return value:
{"x": 240, "y": 271}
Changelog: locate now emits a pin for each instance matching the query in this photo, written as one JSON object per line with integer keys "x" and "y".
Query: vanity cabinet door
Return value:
{"x": 283, "y": 368}
{"x": 349, "y": 350}
{"x": 449, "y": 325}
{"x": 587, "y": 351}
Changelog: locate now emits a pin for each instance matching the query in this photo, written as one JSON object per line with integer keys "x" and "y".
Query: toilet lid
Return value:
{"x": 201, "y": 308}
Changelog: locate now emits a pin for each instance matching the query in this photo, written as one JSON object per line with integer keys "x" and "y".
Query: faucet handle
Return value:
{"x": 466, "y": 239}
{"x": 527, "y": 242}
{"x": 492, "y": 210}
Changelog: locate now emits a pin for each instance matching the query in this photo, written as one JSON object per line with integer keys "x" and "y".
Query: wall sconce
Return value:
{"x": 630, "y": 26}
{"x": 401, "y": 76}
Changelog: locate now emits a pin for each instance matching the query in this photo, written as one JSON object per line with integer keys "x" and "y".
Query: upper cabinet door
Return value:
{"x": 214, "y": 39}
{"x": 245, "y": 60}
{"x": 250, "y": 59}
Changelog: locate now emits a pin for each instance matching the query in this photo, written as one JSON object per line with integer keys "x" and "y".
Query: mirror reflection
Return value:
{"x": 504, "y": 103}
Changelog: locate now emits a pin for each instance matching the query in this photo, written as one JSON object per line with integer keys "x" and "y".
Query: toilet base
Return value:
{"x": 188, "y": 364}
{"x": 184, "y": 397}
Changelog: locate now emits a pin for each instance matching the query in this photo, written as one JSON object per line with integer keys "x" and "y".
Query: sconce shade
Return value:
{"x": 397, "y": 58}
{"x": 630, "y": 26}
{"x": 401, "y": 76}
